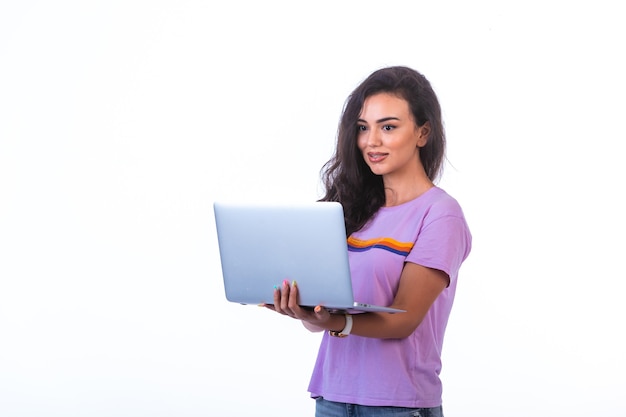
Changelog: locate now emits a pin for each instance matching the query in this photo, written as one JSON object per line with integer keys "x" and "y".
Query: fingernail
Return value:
{"x": 286, "y": 283}
{"x": 317, "y": 309}
{"x": 275, "y": 287}
{"x": 294, "y": 283}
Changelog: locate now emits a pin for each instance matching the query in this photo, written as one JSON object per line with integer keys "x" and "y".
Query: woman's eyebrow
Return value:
{"x": 383, "y": 120}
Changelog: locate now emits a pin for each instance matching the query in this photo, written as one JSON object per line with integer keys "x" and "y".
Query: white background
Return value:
{"x": 122, "y": 121}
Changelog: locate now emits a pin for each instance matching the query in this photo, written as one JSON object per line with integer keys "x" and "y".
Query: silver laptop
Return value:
{"x": 262, "y": 244}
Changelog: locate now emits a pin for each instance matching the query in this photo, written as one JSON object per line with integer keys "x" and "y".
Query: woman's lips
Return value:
{"x": 376, "y": 156}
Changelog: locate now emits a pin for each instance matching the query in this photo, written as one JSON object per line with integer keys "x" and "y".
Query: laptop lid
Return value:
{"x": 262, "y": 244}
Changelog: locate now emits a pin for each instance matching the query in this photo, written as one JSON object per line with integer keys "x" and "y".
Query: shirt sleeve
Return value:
{"x": 443, "y": 243}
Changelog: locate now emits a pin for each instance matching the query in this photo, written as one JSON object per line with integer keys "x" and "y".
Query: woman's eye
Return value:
{"x": 388, "y": 127}
{"x": 361, "y": 128}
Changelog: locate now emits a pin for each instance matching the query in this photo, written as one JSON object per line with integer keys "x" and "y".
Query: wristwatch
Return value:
{"x": 346, "y": 330}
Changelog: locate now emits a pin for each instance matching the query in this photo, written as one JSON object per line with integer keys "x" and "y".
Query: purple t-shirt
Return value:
{"x": 429, "y": 231}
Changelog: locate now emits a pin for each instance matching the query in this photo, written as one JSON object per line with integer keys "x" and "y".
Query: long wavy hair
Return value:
{"x": 346, "y": 177}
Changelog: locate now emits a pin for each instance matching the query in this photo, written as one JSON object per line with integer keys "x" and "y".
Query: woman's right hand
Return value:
{"x": 286, "y": 303}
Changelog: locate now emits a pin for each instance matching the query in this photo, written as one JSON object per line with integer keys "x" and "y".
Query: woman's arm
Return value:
{"x": 312, "y": 327}
{"x": 418, "y": 289}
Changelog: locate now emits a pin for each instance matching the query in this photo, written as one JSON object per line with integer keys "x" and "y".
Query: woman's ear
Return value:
{"x": 423, "y": 133}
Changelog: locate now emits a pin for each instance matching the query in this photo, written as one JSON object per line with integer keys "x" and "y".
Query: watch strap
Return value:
{"x": 346, "y": 330}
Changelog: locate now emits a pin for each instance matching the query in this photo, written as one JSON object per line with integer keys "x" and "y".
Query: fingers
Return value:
{"x": 277, "y": 299}
{"x": 321, "y": 313}
{"x": 293, "y": 298}
{"x": 286, "y": 302}
{"x": 286, "y": 299}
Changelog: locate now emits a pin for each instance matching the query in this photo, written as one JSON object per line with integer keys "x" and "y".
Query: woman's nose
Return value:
{"x": 373, "y": 138}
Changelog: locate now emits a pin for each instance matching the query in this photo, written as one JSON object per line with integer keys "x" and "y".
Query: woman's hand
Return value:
{"x": 286, "y": 303}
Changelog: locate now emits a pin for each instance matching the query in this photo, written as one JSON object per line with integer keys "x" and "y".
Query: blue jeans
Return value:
{"x": 325, "y": 408}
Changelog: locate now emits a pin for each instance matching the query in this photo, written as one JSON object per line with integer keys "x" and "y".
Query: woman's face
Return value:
{"x": 388, "y": 136}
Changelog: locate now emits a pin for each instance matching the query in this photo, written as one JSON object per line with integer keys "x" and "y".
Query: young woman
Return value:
{"x": 407, "y": 241}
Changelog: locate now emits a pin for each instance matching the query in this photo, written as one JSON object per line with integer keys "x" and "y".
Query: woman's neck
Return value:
{"x": 405, "y": 189}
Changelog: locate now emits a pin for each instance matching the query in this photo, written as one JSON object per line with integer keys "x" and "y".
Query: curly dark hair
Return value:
{"x": 346, "y": 177}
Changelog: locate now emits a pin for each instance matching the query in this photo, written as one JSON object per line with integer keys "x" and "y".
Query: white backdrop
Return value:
{"x": 122, "y": 121}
